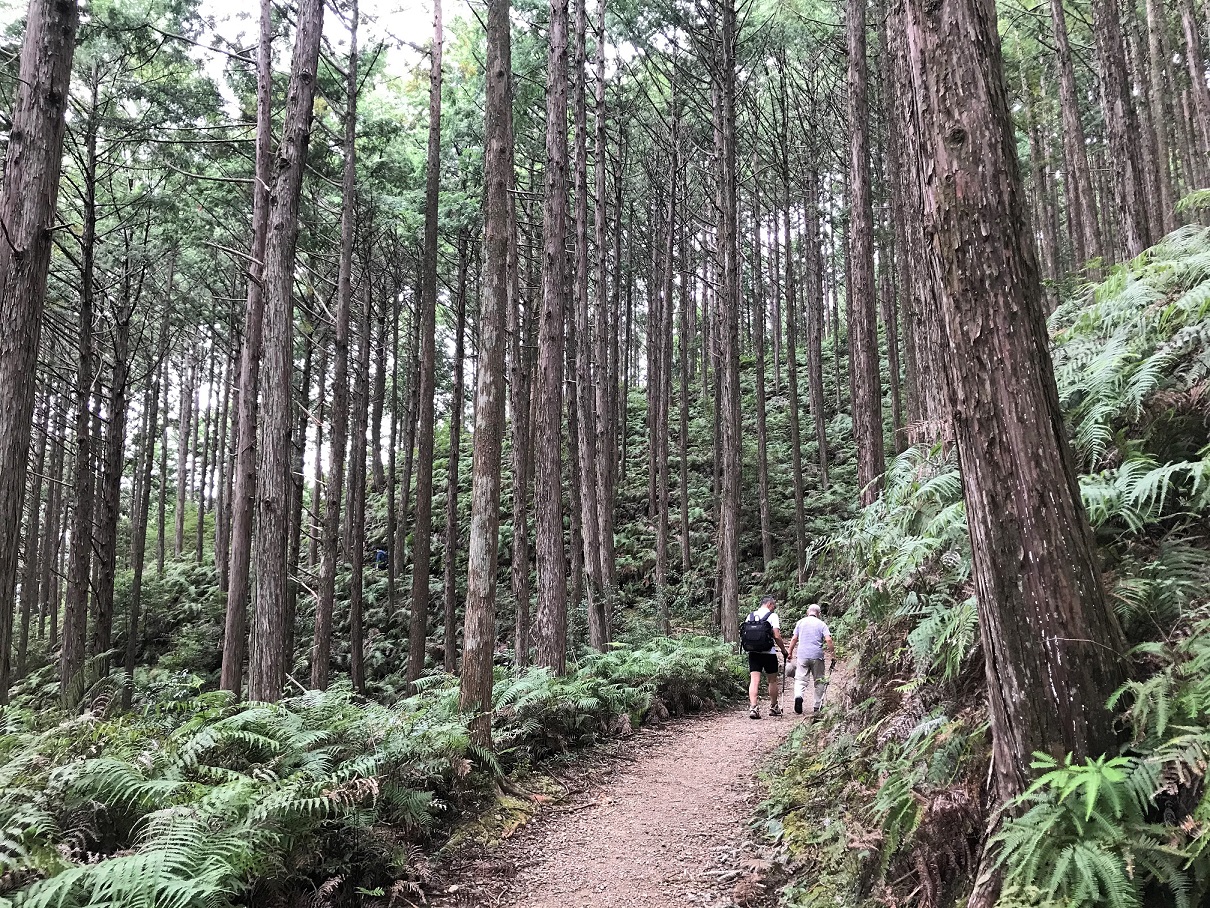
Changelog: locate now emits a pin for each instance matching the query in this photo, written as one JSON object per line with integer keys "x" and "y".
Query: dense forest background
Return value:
{"x": 384, "y": 413}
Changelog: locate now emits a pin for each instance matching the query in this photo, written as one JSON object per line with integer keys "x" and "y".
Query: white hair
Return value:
{"x": 813, "y": 610}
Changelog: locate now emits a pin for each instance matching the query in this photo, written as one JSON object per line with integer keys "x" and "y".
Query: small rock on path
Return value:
{"x": 666, "y": 830}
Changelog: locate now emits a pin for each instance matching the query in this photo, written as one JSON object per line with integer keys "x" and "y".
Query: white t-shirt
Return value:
{"x": 811, "y": 633}
{"x": 774, "y": 621}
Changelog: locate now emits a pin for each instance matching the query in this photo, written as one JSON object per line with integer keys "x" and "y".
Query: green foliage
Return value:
{"x": 194, "y": 800}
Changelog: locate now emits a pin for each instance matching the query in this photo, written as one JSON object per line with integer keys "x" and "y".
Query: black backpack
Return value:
{"x": 756, "y": 635}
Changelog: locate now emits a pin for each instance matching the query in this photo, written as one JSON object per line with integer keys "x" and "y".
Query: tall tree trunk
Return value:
{"x": 732, "y": 434}
{"x": 226, "y": 442}
{"x": 688, "y": 291}
{"x": 243, "y": 495}
{"x": 184, "y": 422}
{"x": 816, "y": 313}
{"x": 143, "y": 508}
{"x": 1159, "y": 87}
{"x": 378, "y": 399}
{"x": 357, "y": 495}
{"x": 605, "y": 328}
{"x": 550, "y": 619}
{"x": 1086, "y": 235}
{"x": 298, "y": 458}
{"x": 585, "y": 399}
{"x": 27, "y": 211}
{"x": 1196, "y": 62}
{"x": 449, "y": 555}
{"x": 161, "y": 544}
{"x": 422, "y": 545}
{"x": 863, "y": 330}
{"x": 1035, "y": 568}
{"x": 766, "y": 532}
{"x": 110, "y": 497}
{"x": 496, "y": 313}
{"x": 32, "y": 550}
{"x": 52, "y": 540}
{"x": 75, "y": 610}
{"x": 1121, "y": 122}
{"x": 338, "y": 439}
{"x": 204, "y": 473}
{"x": 267, "y": 654}
{"x": 520, "y": 384}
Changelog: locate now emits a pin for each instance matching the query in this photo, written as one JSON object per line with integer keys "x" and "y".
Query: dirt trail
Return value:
{"x": 667, "y": 829}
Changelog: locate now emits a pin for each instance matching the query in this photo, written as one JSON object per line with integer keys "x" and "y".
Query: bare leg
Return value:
{"x": 774, "y": 684}
{"x": 754, "y": 689}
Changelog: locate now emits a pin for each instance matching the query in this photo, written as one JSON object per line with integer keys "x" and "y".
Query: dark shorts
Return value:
{"x": 763, "y": 662}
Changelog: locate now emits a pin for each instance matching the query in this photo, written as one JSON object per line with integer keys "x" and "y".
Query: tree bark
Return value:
{"x": 75, "y": 609}
{"x": 338, "y": 438}
{"x": 496, "y": 312}
{"x": 863, "y": 330}
{"x": 449, "y": 556}
{"x": 1159, "y": 88}
{"x": 243, "y": 495}
{"x": 33, "y": 162}
{"x": 585, "y": 399}
{"x": 1086, "y": 234}
{"x": 143, "y": 507}
{"x": 357, "y": 487}
{"x": 422, "y": 545}
{"x": 267, "y": 654}
{"x": 1050, "y": 640}
{"x": 1121, "y": 122}
{"x": 550, "y": 619}
{"x": 15, "y": 668}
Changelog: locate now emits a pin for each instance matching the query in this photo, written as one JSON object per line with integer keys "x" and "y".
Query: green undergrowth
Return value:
{"x": 197, "y": 800}
{"x": 885, "y": 801}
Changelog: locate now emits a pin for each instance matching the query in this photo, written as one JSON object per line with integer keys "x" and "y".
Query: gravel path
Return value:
{"x": 666, "y": 827}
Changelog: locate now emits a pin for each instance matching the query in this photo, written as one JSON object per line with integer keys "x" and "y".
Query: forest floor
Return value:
{"x": 662, "y": 821}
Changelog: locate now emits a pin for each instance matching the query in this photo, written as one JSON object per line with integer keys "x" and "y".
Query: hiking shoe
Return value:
{"x": 798, "y": 705}
{"x": 818, "y": 707}
{"x": 754, "y": 714}
{"x": 775, "y": 710}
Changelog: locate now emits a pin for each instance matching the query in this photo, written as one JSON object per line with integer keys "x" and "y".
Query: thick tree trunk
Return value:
{"x": 550, "y": 619}
{"x": 27, "y": 211}
{"x": 1035, "y": 567}
{"x": 243, "y": 495}
{"x": 422, "y": 545}
{"x": 479, "y": 632}
{"x": 267, "y": 654}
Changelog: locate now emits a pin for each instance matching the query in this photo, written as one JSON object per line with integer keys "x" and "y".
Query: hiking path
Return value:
{"x": 661, "y": 822}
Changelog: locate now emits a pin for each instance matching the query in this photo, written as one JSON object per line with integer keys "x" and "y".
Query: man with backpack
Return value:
{"x": 760, "y": 637}
{"x": 811, "y": 638}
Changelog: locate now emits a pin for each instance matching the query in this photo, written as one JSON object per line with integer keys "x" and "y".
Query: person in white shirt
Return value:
{"x": 765, "y": 661}
{"x": 811, "y": 639}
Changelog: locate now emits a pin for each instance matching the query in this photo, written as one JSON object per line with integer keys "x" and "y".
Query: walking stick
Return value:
{"x": 827, "y": 684}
